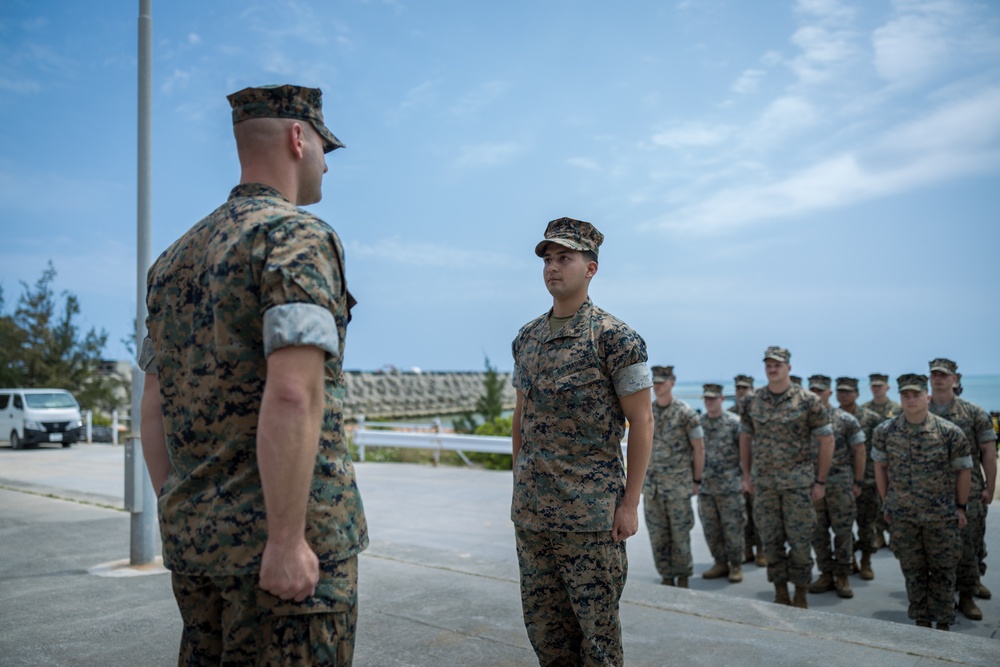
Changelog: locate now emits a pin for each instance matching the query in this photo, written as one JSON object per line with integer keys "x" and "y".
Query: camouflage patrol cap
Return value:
{"x": 878, "y": 378}
{"x": 573, "y": 234}
{"x": 285, "y": 101}
{"x": 944, "y": 365}
{"x": 912, "y": 382}
{"x": 778, "y": 354}
{"x": 847, "y": 384}
{"x": 743, "y": 381}
{"x": 821, "y": 382}
{"x": 662, "y": 373}
{"x": 796, "y": 380}
{"x": 711, "y": 391}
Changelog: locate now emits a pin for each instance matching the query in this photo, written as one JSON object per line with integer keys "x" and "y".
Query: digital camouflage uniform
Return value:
{"x": 887, "y": 410}
{"x": 720, "y": 503}
{"x": 836, "y": 510}
{"x": 922, "y": 461}
{"x": 666, "y": 492}
{"x": 750, "y": 537}
{"x": 569, "y": 478}
{"x": 977, "y": 427}
{"x": 783, "y": 469}
{"x": 869, "y": 505}
{"x": 256, "y": 275}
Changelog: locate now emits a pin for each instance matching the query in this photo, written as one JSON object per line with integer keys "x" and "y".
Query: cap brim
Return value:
{"x": 943, "y": 369}
{"x": 712, "y": 395}
{"x": 912, "y": 387}
{"x": 330, "y": 142}
{"x": 566, "y": 243}
{"x": 774, "y": 358}
{"x": 876, "y": 383}
{"x": 845, "y": 387}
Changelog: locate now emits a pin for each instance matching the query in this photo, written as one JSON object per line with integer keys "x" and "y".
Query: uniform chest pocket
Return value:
{"x": 791, "y": 416}
{"x": 931, "y": 454}
{"x": 575, "y": 381}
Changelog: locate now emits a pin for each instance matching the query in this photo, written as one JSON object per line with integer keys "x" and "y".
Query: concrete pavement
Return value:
{"x": 438, "y": 584}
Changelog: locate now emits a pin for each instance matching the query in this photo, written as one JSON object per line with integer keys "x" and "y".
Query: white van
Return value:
{"x": 29, "y": 417}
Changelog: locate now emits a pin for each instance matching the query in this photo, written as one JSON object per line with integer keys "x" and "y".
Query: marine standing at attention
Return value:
{"x": 835, "y": 512}
{"x": 720, "y": 503}
{"x": 674, "y": 475}
{"x": 869, "y": 505}
{"x": 579, "y": 373}
{"x": 751, "y": 539}
{"x": 977, "y": 427}
{"x": 922, "y": 468}
{"x": 779, "y": 425}
{"x": 242, "y": 425}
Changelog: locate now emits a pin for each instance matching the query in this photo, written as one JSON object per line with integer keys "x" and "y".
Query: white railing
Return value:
{"x": 425, "y": 436}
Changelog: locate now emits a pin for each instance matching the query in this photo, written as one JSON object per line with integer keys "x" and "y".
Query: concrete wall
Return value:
{"x": 398, "y": 395}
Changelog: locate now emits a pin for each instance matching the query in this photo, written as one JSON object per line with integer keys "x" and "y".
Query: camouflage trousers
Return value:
{"x": 669, "y": 520}
{"x": 570, "y": 587}
{"x": 750, "y": 536}
{"x": 723, "y": 518}
{"x": 928, "y": 552}
{"x": 835, "y": 512}
{"x": 229, "y": 620}
{"x": 786, "y": 515}
{"x": 869, "y": 509}
{"x": 973, "y": 535}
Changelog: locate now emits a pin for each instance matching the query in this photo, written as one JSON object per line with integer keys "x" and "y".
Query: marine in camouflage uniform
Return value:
{"x": 778, "y": 425}
{"x": 869, "y": 505}
{"x": 673, "y": 476}
{"x": 922, "y": 468}
{"x": 720, "y": 503}
{"x": 248, "y": 303}
{"x": 836, "y": 510}
{"x": 744, "y": 385}
{"x": 886, "y": 408}
{"x": 579, "y": 373}
{"x": 977, "y": 427}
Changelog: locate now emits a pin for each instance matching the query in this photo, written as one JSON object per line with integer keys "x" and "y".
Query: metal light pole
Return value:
{"x": 140, "y": 500}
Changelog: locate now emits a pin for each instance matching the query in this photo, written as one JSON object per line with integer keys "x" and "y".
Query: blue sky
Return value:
{"x": 820, "y": 174}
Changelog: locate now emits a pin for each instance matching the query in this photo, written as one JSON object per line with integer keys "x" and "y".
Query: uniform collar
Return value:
{"x": 574, "y": 328}
{"x": 256, "y": 190}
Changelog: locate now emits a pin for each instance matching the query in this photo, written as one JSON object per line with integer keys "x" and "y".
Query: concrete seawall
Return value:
{"x": 400, "y": 395}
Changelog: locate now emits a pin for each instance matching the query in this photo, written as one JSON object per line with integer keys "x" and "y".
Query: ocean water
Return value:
{"x": 983, "y": 390}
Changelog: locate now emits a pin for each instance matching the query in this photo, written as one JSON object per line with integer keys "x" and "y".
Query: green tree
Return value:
{"x": 43, "y": 347}
{"x": 489, "y": 404}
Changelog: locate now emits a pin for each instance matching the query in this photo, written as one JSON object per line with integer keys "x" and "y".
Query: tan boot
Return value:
{"x": 667, "y": 581}
{"x": 716, "y": 571}
{"x": 879, "y": 541}
{"x": 735, "y": 573}
{"x": 982, "y": 592}
{"x": 823, "y": 583}
{"x": 843, "y": 587}
{"x": 967, "y": 606}
{"x": 944, "y": 626}
{"x": 854, "y": 565}
{"x": 761, "y": 558}
{"x": 781, "y": 594}
{"x": 682, "y": 582}
{"x": 923, "y": 624}
{"x": 866, "y": 567}
{"x": 800, "y": 598}
{"x": 748, "y": 554}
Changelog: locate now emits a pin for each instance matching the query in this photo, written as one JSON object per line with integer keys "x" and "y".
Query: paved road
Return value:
{"x": 438, "y": 583}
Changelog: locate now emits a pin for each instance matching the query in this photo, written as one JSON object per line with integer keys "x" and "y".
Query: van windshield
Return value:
{"x": 60, "y": 399}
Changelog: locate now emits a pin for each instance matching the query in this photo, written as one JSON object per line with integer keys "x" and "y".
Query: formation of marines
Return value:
{"x": 923, "y": 470}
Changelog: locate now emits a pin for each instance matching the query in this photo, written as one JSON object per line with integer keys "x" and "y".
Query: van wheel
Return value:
{"x": 15, "y": 442}
{"x": 67, "y": 444}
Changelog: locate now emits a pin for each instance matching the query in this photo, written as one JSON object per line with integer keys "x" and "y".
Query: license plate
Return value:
{"x": 55, "y": 437}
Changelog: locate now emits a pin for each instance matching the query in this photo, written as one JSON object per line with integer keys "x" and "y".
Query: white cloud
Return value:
{"x": 748, "y": 81}
{"x": 421, "y": 95}
{"x": 923, "y": 38}
{"x": 583, "y": 163}
{"x": 959, "y": 139}
{"x": 694, "y": 134}
{"x": 394, "y": 251}
{"x": 19, "y": 86}
{"x": 488, "y": 155}
{"x": 194, "y": 38}
{"x": 783, "y": 118}
{"x": 481, "y": 96}
{"x": 178, "y": 79}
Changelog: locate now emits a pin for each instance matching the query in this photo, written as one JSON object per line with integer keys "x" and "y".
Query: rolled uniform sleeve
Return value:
{"x": 878, "y": 445}
{"x": 961, "y": 450}
{"x": 301, "y": 285}
{"x": 147, "y": 357}
{"x": 630, "y": 379}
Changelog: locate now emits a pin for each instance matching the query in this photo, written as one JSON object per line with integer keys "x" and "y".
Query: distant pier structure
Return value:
{"x": 405, "y": 394}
